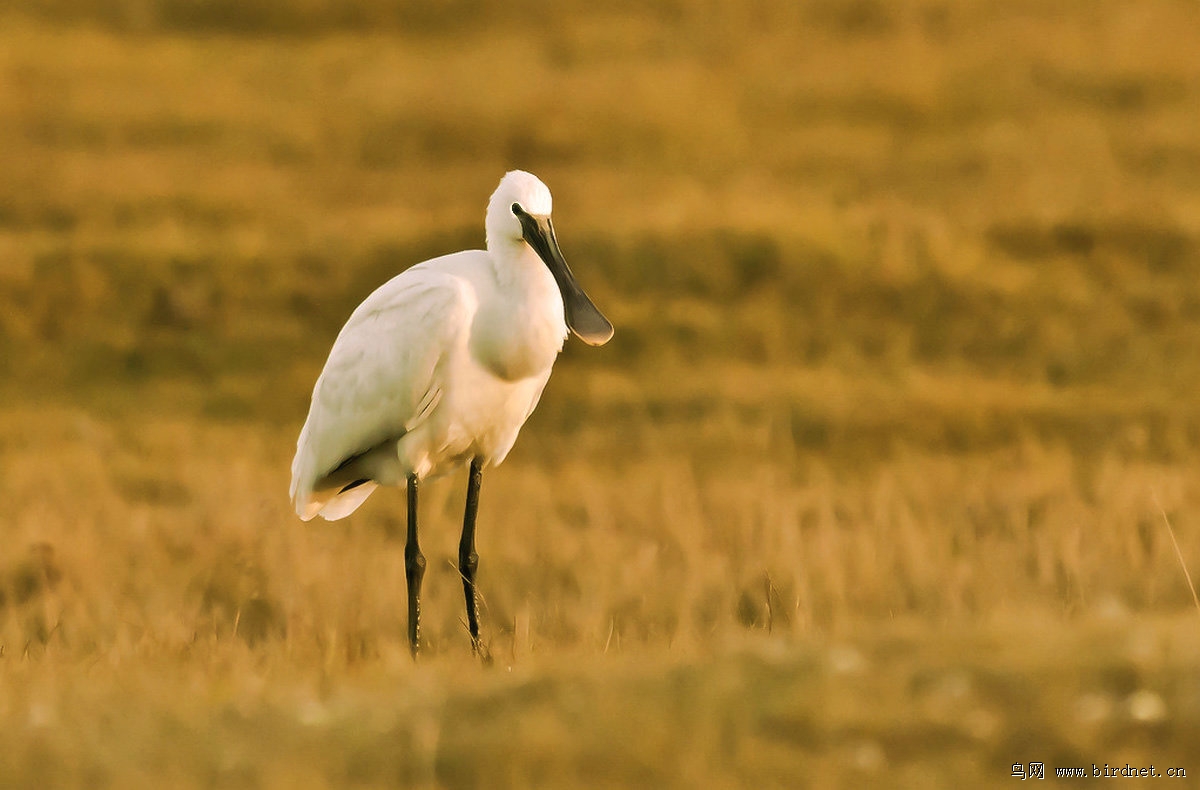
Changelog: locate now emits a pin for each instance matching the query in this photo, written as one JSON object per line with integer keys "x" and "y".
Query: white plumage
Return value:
{"x": 444, "y": 362}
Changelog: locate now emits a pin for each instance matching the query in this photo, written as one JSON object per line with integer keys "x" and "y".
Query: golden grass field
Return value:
{"x": 874, "y": 487}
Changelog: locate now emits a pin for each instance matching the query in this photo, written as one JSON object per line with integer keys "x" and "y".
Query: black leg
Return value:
{"x": 414, "y": 569}
{"x": 468, "y": 560}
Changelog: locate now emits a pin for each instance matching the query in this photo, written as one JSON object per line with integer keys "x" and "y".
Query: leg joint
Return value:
{"x": 414, "y": 562}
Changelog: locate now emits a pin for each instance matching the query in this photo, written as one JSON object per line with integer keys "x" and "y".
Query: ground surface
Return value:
{"x": 871, "y": 488}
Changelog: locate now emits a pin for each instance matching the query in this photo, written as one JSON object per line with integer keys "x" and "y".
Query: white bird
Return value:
{"x": 442, "y": 365}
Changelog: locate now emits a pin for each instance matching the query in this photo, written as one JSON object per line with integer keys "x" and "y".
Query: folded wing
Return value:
{"x": 382, "y": 379}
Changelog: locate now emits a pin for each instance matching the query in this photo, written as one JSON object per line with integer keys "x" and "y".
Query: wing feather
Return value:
{"x": 383, "y": 376}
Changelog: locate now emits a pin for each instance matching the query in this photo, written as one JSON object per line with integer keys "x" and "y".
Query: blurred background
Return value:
{"x": 888, "y": 477}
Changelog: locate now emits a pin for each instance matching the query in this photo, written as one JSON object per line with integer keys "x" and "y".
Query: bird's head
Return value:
{"x": 519, "y": 214}
{"x": 516, "y": 188}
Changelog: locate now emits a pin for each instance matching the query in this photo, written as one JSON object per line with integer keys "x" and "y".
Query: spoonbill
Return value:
{"x": 441, "y": 366}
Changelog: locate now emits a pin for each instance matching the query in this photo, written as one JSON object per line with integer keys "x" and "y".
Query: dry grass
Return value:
{"x": 865, "y": 491}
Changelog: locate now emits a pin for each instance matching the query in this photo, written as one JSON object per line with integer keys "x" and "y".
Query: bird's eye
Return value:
{"x": 517, "y": 210}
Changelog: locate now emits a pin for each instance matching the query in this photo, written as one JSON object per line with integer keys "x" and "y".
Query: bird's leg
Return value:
{"x": 468, "y": 560}
{"x": 414, "y": 569}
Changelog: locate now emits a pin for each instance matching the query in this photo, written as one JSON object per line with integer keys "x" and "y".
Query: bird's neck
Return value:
{"x": 519, "y": 333}
{"x": 523, "y": 278}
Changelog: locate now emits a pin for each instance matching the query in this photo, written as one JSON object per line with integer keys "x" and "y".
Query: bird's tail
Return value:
{"x": 332, "y": 504}
{"x": 332, "y": 497}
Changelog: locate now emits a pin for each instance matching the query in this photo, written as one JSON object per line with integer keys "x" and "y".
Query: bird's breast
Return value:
{"x": 518, "y": 341}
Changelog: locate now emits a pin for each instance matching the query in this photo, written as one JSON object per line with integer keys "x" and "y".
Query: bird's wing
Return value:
{"x": 383, "y": 375}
